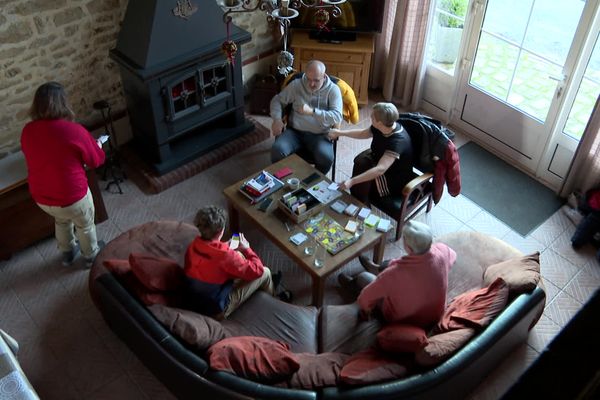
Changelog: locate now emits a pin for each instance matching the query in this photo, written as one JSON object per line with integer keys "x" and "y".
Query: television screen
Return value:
{"x": 357, "y": 16}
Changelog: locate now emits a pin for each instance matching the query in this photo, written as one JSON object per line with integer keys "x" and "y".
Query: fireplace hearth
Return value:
{"x": 183, "y": 97}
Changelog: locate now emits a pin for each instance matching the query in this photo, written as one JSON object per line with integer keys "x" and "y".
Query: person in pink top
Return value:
{"x": 412, "y": 288}
{"x": 57, "y": 151}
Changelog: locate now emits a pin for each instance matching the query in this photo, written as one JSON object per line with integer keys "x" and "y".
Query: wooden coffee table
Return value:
{"x": 271, "y": 223}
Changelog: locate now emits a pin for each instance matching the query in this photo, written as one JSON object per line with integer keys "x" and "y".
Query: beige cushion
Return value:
{"x": 521, "y": 274}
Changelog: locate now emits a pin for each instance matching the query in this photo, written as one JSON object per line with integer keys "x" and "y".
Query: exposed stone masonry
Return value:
{"x": 68, "y": 41}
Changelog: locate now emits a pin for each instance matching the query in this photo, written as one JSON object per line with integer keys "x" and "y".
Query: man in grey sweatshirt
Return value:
{"x": 316, "y": 107}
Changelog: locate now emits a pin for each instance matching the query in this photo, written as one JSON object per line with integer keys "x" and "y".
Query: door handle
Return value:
{"x": 560, "y": 78}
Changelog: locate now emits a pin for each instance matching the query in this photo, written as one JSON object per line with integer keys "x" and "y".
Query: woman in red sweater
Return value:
{"x": 57, "y": 151}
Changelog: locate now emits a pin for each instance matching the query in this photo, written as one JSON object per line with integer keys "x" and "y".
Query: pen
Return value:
{"x": 287, "y": 226}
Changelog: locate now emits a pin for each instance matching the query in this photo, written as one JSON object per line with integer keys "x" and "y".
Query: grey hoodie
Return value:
{"x": 327, "y": 103}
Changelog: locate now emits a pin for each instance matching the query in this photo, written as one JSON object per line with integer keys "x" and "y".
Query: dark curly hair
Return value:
{"x": 50, "y": 102}
{"x": 210, "y": 220}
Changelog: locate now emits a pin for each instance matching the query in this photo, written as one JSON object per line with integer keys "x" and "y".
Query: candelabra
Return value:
{"x": 282, "y": 12}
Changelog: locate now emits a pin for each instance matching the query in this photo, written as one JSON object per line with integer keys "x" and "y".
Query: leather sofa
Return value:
{"x": 333, "y": 328}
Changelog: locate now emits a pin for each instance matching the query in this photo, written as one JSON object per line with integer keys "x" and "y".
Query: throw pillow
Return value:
{"x": 521, "y": 274}
{"x": 156, "y": 273}
{"x": 146, "y": 296}
{"x": 442, "y": 346}
{"x": 475, "y": 309}
{"x": 117, "y": 267}
{"x": 402, "y": 338}
{"x": 253, "y": 357}
{"x": 317, "y": 370}
{"x": 371, "y": 366}
{"x": 195, "y": 329}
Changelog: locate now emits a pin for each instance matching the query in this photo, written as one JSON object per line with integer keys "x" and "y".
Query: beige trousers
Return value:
{"x": 242, "y": 290}
{"x": 79, "y": 215}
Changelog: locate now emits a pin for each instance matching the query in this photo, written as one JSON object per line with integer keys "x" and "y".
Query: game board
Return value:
{"x": 330, "y": 234}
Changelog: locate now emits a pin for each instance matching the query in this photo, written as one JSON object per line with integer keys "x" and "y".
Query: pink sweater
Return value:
{"x": 413, "y": 288}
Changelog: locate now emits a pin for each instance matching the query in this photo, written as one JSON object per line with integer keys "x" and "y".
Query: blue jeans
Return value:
{"x": 318, "y": 146}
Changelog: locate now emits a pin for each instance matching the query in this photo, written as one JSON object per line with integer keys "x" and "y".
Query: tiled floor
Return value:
{"x": 68, "y": 352}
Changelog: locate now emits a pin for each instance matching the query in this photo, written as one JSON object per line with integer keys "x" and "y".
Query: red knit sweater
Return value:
{"x": 56, "y": 152}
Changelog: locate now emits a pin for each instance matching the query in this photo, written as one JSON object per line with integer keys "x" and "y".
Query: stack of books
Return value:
{"x": 260, "y": 186}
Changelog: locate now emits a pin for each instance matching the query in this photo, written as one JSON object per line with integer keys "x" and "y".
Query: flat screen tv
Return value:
{"x": 357, "y": 16}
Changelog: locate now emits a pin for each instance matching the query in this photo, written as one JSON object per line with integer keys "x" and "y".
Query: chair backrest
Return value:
{"x": 429, "y": 139}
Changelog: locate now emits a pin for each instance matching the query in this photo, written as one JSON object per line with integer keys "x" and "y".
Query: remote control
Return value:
{"x": 312, "y": 177}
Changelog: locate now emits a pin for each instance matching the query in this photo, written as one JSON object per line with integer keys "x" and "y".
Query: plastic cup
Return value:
{"x": 320, "y": 253}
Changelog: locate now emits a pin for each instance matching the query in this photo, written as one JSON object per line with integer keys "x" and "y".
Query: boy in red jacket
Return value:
{"x": 219, "y": 278}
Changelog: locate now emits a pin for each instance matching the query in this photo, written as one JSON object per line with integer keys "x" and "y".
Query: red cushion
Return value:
{"x": 402, "y": 338}
{"x": 156, "y": 273}
{"x": 117, "y": 267}
{"x": 149, "y": 297}
{"x": 371, "y": 366}
{"x": 253, "y": 357}
{"x": 475, "y": 309}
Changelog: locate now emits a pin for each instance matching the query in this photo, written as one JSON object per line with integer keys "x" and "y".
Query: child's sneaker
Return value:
{"x": 276, "y": 278}
{"x": 89, "y": 261}
{"x": 69, "y": 256}
{"x": 285, "y": 296}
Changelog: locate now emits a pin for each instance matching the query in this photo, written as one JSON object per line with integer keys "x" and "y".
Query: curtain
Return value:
{"x": 584, "y": 173}
{"x": 400, "y": 50}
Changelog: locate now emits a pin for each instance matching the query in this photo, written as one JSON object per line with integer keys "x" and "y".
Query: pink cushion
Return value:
{"x": 117, "y": 267}
{"x": 521, "y": 274}
{"x": 156, "y": 273}
{"x": 475, "y": 309}
{"x": 317, "y": 370}
{"x": 402, "y": 338}
{"x": 442, "y": 346}
{"x": 371, "y": 366}
{"x": 253, "y": 357}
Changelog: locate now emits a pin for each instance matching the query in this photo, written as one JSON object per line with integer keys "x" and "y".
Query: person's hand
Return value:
{"x": 243, "y": 242}
{"x": 334, "y": 134}
{"x": 347, "y": 184}
{"x": 306, "y": 110}
{"x": 277, "y": 127}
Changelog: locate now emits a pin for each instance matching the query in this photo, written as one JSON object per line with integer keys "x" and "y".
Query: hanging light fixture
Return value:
{"x": 282, "y": 12}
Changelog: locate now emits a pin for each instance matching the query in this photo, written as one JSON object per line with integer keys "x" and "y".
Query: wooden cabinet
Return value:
{"x": 349, "y": 61}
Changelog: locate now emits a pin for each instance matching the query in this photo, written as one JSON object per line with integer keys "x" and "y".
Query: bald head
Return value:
{"x": 315, "y": 74}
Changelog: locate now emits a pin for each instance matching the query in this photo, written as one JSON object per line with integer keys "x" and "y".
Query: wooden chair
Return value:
{"x": 350, "y": 114}
{"x": 417, "y": 193}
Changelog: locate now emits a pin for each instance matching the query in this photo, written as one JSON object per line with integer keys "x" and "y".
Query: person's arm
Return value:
{"x": 369, "y": 297}
{"x": 333, "y": 114}
{"x": 351, "y": 133}
{"x": 92, "y": 154}
{"x": 385, "y": 162}
{"x": 278, "y": 103}
{"x": 248, "y": 267}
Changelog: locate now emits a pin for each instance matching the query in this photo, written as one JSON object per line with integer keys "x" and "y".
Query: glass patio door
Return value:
{"x": 518, "y": 67}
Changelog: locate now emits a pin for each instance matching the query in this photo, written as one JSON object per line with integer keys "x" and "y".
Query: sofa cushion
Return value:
{"x": 156, "y": 273}
{"x": 521, "y": 274}
{"x": 316, "y": 371}
{"x": 264, "y": 315}
{"x": 343, "y": 331}
{"x": 443, "y": 345}
{"x": 117, "y": 267}
{"x": 195, "y": 329}
{"x": 252, "y": 357}
{"x": 402, "y": 338}
{"x": 475, "y": 309}
{"x": 371, "y": 366}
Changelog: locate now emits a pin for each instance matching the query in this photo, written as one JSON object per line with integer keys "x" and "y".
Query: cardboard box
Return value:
{"x": 293, "y": 200}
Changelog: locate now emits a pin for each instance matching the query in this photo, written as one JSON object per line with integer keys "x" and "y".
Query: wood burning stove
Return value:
{"x": 183, "y": 96}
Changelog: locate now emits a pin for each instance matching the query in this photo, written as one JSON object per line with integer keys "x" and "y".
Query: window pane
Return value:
{"x": 588, "y": 92}
{"x": 532, "y": 91}
{"x": 507, "y": 18}
{"x": 494, "y": 62}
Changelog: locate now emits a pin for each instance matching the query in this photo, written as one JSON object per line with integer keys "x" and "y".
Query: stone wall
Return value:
{"x": 68, "y": 41}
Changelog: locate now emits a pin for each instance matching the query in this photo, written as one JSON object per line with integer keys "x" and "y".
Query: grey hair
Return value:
{"x": 318, "y": 65}
{"x": 386, "y": 113}
{"x": 417, "y": 236}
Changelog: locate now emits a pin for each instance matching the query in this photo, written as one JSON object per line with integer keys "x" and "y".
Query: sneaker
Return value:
{"x": 89, "y": 261}
{"x": 345, "y": 281}
{"x": 276, "y": 277}
{"x": 69, "y": 256}
{"x": 285, "y": 296}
